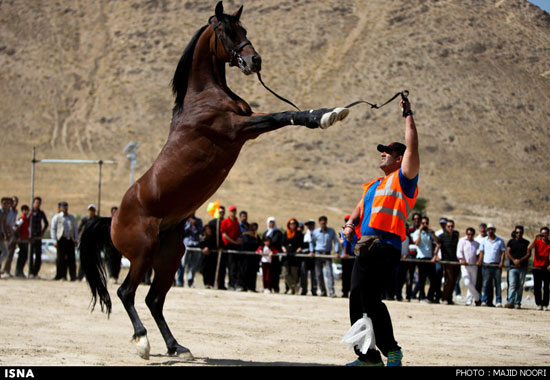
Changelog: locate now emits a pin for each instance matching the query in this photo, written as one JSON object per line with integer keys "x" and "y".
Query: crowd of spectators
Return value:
{"x": 301, "y": 255}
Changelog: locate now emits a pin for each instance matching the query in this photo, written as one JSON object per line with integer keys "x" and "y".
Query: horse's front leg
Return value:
{"x": 257, "y": 124}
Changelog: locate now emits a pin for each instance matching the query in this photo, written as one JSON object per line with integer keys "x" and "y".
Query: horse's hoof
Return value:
{"x": 181, "y": 352}
{"x": 328, "y": 119}
{"x": 341, "y": 113}
{"x": 142, "y": 346}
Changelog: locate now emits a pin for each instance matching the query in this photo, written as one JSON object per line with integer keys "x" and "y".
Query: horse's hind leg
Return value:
{"x": 126, "y": 293}
{"x": 165, "y": 266}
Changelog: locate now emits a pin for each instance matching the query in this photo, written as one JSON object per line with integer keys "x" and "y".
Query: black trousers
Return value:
{"x": 347, "y": 269}
{"x": 21, "y": 258}
{"x": 35, "y": 261}
{"x": 541, "y": 289}
{"x": 367, "y": 286}
{"x": 66, "y": 259}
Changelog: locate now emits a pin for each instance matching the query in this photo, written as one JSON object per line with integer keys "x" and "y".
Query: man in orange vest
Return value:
{"x": 379, "y": 222}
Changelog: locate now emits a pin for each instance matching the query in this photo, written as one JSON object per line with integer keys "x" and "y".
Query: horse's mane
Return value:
{"x": 181, "y": 76}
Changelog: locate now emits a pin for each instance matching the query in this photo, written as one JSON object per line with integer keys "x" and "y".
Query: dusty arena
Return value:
{"x": 48, "y": 323}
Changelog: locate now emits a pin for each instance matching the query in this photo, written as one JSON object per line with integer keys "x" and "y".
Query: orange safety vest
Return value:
{"x": 390, "y": 206}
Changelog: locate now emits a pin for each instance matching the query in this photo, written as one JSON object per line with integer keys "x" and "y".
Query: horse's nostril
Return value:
{"x": 256, "y": 59}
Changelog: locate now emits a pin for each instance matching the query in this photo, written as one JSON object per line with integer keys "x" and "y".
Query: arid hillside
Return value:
{"x": 80, "y": 79}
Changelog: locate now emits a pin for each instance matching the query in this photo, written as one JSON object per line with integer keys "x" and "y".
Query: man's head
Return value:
{"x": 310, "y": 224}
{"x": 544, "y": 232}
{"x": 518, "y": 232}
{"x": 391, "y": 156}
{"x": 91, "y": 210}
{"x": 470, "y": 232}
{"x": 63, "y": 207}
{"x": 491, "y": 230}
{"x": 243, "y": 216}
{"x": 15, "y": 201}
{"x": 450, "y": 226}
{"x": 222, "y": 212}
{"x": 443, "y": 223}
{"x": 323, "y": 221}
{"x": 36, "y": 203}
{"x": 424, "y": 223}
{"x": 416, "y": 219}
{"x": 483, "y": 229}
{"x": 6, "y": 203}
{"x": 232, "y": 212}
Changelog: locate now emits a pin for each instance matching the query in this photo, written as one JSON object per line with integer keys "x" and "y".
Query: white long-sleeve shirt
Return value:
{"x": 467, "y": 250}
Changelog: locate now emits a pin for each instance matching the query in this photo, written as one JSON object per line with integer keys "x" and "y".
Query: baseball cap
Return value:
{"x": 442, "y": 220}
{"x": 310, "y": 222}
{"x": 232, "y": 208}
{"x": 393, "y": 147}
{"x": 91, "y": 205}
{"x": 63, "y": 204}
{"x": 491, "y": 225}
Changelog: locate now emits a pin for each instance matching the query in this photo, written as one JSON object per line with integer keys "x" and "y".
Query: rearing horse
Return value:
{"x": 210, "y": 124}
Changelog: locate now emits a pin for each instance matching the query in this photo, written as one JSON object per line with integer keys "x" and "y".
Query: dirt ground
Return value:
{"x": 49, "y": 323}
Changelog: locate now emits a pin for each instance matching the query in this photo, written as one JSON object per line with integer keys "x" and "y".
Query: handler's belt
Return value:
{"x": 365, "y": 244}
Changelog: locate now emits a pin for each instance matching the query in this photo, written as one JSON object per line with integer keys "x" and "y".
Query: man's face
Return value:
{"x": 470, "y": 235}
{"x": 6, "y": 204}
{"x": 519, "y": 233}
{"x": 222, "y": 213}
{"x": 544, "y": 234}
{"x": 483, "y": 230}
{"x": 64, "y": 209}
{"x": 322, "y": 223}
{"x": 243, "y": 217}
{"x": 450, "y": 227}
{"x": 416, "y": 220}
{"x": 91, "y": 212}
{"x": 36, "y": 204}
{"x": 390, "y": 161}
{"x": 491, "y": 231}
{"x": 310, "y": 226}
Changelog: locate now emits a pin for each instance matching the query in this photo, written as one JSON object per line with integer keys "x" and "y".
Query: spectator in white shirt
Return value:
{"x": 467, "y": 254}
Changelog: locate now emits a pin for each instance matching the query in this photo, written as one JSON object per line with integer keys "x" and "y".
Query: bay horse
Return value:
{"x": 209, "y": 126}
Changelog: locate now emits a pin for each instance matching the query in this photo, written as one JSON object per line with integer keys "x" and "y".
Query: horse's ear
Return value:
{"x": 219, "y": 11}
{"x": 238, "y": 13}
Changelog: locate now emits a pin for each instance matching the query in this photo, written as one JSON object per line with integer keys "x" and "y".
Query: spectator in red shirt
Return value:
{"x": 541, "y": 274}
{"x": 230, "y": 230}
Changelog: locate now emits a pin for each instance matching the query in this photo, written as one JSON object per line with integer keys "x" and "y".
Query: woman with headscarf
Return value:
{"x": 292, "y": 244}
{"x": 276, "y": 236}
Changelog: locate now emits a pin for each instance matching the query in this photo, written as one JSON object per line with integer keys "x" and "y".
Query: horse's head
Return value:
{"x": 230, "y": 43}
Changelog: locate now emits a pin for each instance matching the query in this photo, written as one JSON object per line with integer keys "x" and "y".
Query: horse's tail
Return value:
{"x": 95, "y": 239}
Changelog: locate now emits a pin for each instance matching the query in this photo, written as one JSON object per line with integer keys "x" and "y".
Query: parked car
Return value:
{"x": 529, "y": 282}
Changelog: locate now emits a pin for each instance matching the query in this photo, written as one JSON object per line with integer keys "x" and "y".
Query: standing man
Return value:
{"x": 380, "y": 218}
{"x": 39, "y": 226}
{"x": 447, "y": 243}
{"x": 322, "y": 241}
{"x": 308, "y": 263}
{"x": 425, "y": 240}
{"x": 6, "y": 230}
{"x": 348, "y": 258}
{"x": 541, "y": 273}
{"x": 518, "y": 254}
{"x": 467, "y": 254}
{"x": 12, "y": 243}
{"x": 191, "y": 260}
{"x": 491, "y": 253}
{"x": 230, "y": 230}
{"x": 65, "y": 231}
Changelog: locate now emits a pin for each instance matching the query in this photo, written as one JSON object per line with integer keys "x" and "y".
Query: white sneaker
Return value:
{"x": 267, "y": 291}
{"x": 498, "y": 305}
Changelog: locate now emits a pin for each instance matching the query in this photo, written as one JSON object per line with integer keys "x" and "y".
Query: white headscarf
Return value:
{"x": 271, "y": 230}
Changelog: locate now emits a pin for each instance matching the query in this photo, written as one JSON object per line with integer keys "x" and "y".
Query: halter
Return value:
{"x": 236, "y": 59}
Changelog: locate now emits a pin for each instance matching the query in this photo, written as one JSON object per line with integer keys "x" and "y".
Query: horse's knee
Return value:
{"x": 154, "y": 303}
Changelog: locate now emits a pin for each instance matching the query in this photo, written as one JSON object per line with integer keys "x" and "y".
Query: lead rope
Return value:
{"x": 274, "y": 93}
